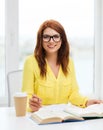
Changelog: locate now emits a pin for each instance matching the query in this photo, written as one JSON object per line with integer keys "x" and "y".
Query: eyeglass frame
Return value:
{"x": 51, "y": 37}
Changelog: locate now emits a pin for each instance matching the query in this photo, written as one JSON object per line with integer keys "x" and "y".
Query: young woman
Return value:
{"x": 49, "y": 74}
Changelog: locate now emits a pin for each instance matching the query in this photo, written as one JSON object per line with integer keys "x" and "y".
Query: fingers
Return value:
{"x": 93, "y": 101}
{"x": 96, "y": 101}
{"x": 36, "y": 98}
{"x": 99, "y": 101}
{"x": 33, "y": 108}
{"x": 35, "y": 103}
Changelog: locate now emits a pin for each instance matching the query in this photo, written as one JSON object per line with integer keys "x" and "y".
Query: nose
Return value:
{"x": 51, "y": 39}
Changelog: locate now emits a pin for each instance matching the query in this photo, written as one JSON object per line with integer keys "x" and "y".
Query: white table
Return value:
{"x": 8, "y": 121}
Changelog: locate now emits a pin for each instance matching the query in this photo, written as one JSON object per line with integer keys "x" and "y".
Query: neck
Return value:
{"x": 52, "y": 58}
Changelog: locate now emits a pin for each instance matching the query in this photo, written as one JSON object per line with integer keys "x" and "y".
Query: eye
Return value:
{"x": 56, "y": 36}
{"x": 46, "y": 36}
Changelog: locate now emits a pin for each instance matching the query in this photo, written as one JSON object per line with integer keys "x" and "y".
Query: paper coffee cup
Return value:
{"x": 20, "y": 101}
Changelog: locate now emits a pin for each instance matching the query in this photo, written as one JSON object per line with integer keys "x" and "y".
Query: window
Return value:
{"x": 77, "y": 17}
{"x": 2, "y": 48}
{"x": 82, "y": 20}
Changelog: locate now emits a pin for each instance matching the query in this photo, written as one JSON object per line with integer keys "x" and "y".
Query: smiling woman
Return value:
{"x": 77, "y": 16}
{"x": 78, "y": 23}
{"x": 51, "y": 63}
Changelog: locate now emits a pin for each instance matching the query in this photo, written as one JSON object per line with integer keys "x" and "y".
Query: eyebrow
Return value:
{"x": 51, "y": 35}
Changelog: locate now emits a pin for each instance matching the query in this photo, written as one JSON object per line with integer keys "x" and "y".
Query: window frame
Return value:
{"x": 98, "y": 54}
{"x": 12, "y": 47}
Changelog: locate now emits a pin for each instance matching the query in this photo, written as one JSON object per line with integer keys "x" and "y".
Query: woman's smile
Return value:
{"x": 51, "y": 46}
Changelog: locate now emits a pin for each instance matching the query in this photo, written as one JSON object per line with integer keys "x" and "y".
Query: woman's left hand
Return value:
{"x": 93, "y": 101}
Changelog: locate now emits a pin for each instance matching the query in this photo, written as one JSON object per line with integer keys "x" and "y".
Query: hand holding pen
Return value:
{"x": 35, "y": 103}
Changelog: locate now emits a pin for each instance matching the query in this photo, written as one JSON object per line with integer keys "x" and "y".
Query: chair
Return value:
{"x": 14, "y": 84}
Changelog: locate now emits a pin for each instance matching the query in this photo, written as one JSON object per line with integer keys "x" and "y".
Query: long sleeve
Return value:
{"x": 76, "y": 98}
{"x": 28, "y": 79}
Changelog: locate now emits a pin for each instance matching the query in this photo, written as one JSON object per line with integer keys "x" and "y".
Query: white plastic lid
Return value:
{"x": 20, "y": 94}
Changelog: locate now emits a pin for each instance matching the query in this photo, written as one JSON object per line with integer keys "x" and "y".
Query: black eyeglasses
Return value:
{"x": 47, "y": 38}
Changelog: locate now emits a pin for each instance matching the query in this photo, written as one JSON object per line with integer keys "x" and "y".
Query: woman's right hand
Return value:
{"x": 35, "y": 103}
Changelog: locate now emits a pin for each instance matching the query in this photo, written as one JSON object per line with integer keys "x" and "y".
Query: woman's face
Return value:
{"x": 51, "y": 41}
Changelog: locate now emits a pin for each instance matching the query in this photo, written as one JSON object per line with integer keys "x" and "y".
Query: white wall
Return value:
{"x": 98, "y": 81}
{"x": 101, "y": 49}
{"x": 11, "y": 34}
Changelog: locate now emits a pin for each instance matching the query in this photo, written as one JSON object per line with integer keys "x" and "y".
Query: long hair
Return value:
{"x": 63, "y": 52}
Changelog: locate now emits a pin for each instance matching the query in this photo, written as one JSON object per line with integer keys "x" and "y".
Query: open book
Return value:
{"x": 90, "y": 112}
{"x": 53, "y": 114}
{"x": 66, "y": 113}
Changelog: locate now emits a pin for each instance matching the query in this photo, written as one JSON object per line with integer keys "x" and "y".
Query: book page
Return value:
{"x": 54, "y": 113}
{"x": 96, "y": 109}
{"x": 45, "y": 113}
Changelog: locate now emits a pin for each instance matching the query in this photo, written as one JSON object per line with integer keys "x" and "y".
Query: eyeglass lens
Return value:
{"x": 47, "y": 38}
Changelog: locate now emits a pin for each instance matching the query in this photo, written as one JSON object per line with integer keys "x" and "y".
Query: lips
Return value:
{"x": 51, "y": 46}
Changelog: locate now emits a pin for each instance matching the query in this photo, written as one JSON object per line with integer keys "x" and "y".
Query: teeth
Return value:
{"x": 51, "y": 46}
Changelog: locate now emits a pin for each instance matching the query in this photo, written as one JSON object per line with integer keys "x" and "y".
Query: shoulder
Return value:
{"x": 31, "y": 64}
{"x": 71, "y": 65}
{"x": 71, "y": 62}
{"x": 30, "y": 61}
{"x": 30, "y": 58}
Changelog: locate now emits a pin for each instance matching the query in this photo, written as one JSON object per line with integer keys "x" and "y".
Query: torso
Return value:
{"x": 55, "y": 69}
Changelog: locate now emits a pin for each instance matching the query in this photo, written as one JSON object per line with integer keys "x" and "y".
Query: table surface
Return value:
{"x": 8, "y": 121}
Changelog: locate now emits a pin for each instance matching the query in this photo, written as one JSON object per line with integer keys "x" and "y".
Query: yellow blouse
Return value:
{"x": 51, "y": 90}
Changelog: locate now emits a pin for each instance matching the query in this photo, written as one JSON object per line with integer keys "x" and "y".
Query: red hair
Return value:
{"x": 63, "y": 52}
